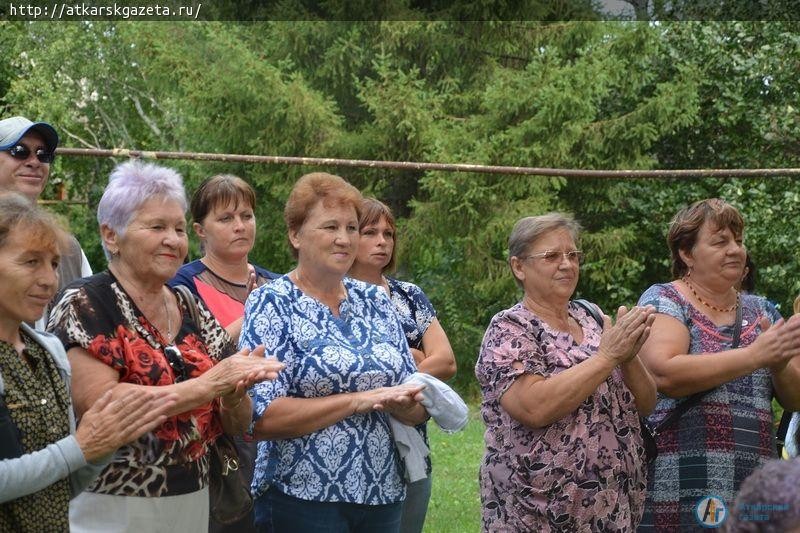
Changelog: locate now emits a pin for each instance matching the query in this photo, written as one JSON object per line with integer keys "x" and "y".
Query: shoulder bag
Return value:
{"x": 228, "y": 491}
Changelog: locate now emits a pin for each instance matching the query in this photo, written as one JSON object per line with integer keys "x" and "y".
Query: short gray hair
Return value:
{"x": 529, "y": 229}
{"x": 130, "y": 185}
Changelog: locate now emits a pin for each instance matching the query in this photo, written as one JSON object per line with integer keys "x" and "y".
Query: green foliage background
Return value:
{"x": 595, "y": 95}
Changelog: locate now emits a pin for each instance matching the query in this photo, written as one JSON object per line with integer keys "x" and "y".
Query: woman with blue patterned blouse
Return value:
{"x": 424, "y": 333}
{"x": 331, "y": 464}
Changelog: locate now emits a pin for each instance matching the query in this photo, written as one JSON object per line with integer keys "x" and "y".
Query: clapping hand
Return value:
{"x": 119, "y": 417}
{"x": 623, "y": 339}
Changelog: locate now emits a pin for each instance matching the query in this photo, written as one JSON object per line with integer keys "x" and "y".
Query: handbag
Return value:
{"x": 649, "y": 431}
{"x": 229, "y": 496}
{"x": 228, "y": 491}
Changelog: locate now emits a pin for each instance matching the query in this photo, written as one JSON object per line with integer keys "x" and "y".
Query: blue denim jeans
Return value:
{"x": 277, "y": 512}
{"x": 415, "y": 507}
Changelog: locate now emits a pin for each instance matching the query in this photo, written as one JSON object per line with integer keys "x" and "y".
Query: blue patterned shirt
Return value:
{"x": 413, "y": 308}
{"x": 354, "y": 460}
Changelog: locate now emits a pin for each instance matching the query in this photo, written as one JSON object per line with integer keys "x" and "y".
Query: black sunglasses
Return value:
{"x": 175, "y": 359}
{"x": 22, "y": 153}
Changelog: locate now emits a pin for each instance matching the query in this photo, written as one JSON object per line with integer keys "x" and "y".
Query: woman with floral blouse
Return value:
{"x": 562, "y": 398}
{"x": 125, "y": 329}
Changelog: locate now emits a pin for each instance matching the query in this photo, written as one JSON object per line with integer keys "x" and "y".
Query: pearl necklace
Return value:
{"x": 685, "y": 279}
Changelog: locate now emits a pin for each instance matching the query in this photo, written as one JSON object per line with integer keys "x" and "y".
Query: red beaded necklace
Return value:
{"x": 685, "y": 279}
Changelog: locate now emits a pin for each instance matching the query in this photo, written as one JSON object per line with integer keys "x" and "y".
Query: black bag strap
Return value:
{"x": 191, "y": 303}
{"x": 695, "y": 398}
{"x": 590, "y": 308}
{"x": 783, "y": 429}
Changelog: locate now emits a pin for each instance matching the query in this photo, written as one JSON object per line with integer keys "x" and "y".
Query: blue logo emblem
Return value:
{"x": 710, "y": 511}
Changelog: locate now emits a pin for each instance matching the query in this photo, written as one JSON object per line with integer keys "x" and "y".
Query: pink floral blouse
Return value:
{"x": 584, "y": 472}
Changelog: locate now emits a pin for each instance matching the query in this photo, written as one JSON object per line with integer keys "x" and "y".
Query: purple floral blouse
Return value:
{"x": 584, "y": 472}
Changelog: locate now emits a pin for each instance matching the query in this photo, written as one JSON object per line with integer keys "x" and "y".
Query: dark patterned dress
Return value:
{"x": 38, "y": 404}
{"x": 582, "y": 473}
{"x": 96, "y": 314}
{"x": 718, "y": 443}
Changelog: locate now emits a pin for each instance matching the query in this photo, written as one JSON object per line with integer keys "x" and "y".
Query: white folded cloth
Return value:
{"x": 446, "y": 408}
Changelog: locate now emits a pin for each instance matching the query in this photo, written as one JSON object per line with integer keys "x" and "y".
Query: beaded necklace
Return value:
{"x": 685, "y": 279}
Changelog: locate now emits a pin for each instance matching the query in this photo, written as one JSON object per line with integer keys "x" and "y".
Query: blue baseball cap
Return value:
{"x": 13, "y": 129}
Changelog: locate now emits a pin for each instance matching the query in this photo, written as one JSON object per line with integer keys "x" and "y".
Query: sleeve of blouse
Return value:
{"x": 508, "y": 351}
{"x": 665, "y": 300}
{"x": 267, "y": 323}
{"x": 77, "y": 324}
{"x": 771, "y": 311}
{"x": 394, "y": 329}
{"x": 424, "y": 311}
{"x": 37, "y": 470}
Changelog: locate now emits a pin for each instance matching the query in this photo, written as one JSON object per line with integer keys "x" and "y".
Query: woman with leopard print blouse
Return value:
{"x": 126, "y": 329}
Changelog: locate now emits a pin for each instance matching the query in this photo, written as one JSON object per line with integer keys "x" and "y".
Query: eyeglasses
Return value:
{"x": 22, "y": 153}
{"x": 554, "y": 257}
{"x": 176, "y": 362}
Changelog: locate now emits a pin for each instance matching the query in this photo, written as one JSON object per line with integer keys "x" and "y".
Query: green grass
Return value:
{"x": 455, "y": 504}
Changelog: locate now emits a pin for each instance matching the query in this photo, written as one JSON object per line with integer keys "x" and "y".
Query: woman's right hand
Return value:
{"x": 242, "y": 369}
{"x": 622, "y": 340}
{"x": 778, "y": 343}
{"x": 386, "y": 398}
{"x": 119, "y": 417}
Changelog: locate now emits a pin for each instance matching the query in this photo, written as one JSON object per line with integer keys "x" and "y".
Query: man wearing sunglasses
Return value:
{"x": 26, "y": 151}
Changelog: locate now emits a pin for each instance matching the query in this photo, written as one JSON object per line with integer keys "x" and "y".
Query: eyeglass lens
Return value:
{"x": 176, "y": 362}
{"x": 22, "y": 153}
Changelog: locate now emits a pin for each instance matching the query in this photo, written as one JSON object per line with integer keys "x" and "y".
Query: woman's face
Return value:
{"x": 328, "y": 239}
{"x": 717, "y": 253}
{"x": 228, "y": 231}
{"x": 552, "y": 278}
{"x": 28, "y": 276}
{"x": 155, "y": 242}
{"x": 376, "y": 244}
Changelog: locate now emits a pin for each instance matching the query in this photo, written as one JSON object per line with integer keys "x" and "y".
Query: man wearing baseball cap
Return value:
{"x": 26, "y": 151}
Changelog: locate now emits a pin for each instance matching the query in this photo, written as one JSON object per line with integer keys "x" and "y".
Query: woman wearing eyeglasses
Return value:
{"x": 124, "y": 328}
{"x": 562, "y": 398}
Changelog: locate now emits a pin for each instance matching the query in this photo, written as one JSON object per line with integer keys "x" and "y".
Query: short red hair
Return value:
{"x": 317, "y": 187}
